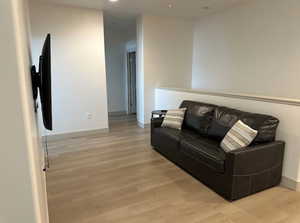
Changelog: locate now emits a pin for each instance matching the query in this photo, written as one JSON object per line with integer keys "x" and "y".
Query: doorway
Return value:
{"x": 120, "y": 57}
{"x": 131, "y": 72}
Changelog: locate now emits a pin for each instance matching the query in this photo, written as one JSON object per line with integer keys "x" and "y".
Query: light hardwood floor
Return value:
{"x": 117, "y": 177}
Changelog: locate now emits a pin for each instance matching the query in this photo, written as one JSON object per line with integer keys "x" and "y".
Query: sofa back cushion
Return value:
{"x": 198, "y": 116}
{"x": 224, "y": 118}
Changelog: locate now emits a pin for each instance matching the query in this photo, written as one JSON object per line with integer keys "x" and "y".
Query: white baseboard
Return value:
{"x": 69, "y": 135}
{"x": 142, "y": 125}
{"x": 290, "y": 183}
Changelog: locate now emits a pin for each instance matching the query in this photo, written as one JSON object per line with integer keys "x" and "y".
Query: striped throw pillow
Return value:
{"x": 174, "y": 118}
{"x": 239, "y": 136}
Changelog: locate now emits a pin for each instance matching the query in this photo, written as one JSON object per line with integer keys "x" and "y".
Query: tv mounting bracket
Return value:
{"x": 36, "y": 83}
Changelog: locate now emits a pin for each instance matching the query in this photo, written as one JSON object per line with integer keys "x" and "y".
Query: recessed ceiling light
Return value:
{"x": 113, "y": 0}
{"x": 170, "y": 6}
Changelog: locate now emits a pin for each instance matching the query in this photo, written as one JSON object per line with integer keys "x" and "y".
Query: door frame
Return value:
{"x": 129, "y": 83}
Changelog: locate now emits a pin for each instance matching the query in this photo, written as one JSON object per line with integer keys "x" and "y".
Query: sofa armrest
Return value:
{"x": 255, "y": 159}
{"x": 156, "y": 122}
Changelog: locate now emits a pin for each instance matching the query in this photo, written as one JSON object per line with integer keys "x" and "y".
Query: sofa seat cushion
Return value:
{"x": 168, "y": 136}
{"x": 204, "y": 150}
{"x": 167, "y": 142}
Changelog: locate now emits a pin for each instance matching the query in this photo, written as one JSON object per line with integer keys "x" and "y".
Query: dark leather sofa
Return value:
{"x": 196, "y": 149}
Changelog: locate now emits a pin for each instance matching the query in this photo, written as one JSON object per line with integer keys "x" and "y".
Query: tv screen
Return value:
{"x": 41, "y": 81}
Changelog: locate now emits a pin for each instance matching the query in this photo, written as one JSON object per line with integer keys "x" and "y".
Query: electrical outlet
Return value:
{"x": 89, "y": 115}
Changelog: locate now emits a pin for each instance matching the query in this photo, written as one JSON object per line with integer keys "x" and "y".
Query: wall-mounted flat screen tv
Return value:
{"x": 41, "y": 83}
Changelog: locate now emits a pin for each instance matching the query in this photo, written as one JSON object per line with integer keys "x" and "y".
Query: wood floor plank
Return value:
{"x": 116, "y": 177}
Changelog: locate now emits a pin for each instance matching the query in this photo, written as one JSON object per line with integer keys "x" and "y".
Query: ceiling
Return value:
{"x": 124, "y": 12}
{"x": 180, "y": 8}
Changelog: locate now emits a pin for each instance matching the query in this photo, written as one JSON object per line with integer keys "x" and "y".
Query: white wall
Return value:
{"x": 117, "y": 43}
{"x": 78, "y": 64}
{"x": 140, "y": 84}
{"x": 287, "y": 114}
{"x": 167, "y": 50}
{"x": 22, "y": 186}
{"x": 253, "y": 48}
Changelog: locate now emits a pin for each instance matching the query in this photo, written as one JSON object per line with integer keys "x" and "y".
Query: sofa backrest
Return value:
{"x": 224, "y": 118}
{"x": 198, "y": 116}
{"x": 215, "y": 121}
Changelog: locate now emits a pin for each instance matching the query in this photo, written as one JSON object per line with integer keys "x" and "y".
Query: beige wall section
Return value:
{"x": 140, "y": 84}
{"x": 22, "y": 186}
{"x": 167, "y": 50}
{"x": 253, "y": 48}
{"x": 78, "y": 64}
